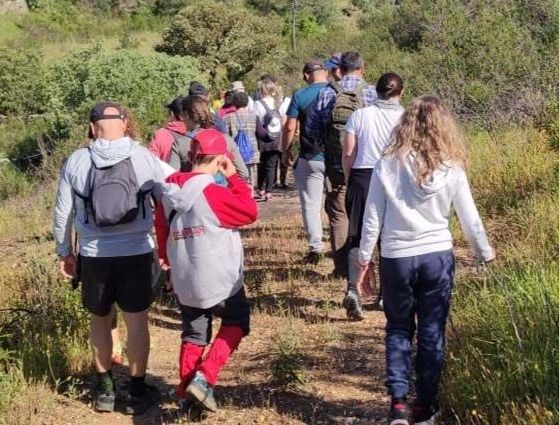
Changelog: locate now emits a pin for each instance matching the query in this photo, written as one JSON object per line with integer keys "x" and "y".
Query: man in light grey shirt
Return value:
{"x": 104, "y": 192}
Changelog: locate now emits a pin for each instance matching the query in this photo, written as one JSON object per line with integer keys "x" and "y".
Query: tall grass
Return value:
{"x": 505, "y": 352}
{"x": 503, "y": 362}
{"x": 43, "y": 327}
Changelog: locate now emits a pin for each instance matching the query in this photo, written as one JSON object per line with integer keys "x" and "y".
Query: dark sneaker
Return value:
{"x": 353, "y": 307}
{"x": 399, "y": 413}
{"x": 201, "y": 390}
{"x": 425, "y": 415}
{"x": 190, "y": 410}
{"x": 314, "y": 258}
{"x": 136, "y": 405}
{"x": 105, "y": 396}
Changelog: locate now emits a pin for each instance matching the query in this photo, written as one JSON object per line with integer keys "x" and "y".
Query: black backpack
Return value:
{"x": 114, "y": 195}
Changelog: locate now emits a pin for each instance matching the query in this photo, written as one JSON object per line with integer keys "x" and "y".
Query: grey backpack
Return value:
{"x": 114, "y": 195}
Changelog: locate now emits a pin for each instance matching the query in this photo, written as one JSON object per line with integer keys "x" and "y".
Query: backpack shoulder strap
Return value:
{"x": 336, "y": 87}
{"x": 265, "y": 105}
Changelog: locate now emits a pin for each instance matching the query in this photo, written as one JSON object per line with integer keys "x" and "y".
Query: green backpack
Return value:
{"x": 347, "y": 102}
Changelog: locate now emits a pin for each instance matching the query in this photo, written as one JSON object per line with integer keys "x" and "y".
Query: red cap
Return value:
{"x": 209, "y": 142}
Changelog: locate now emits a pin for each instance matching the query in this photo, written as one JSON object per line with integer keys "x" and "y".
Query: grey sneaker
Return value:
{"x": 202, "y": 391}
{"x": 136, "y": 405}
{"x": 353, "y": 306}
{"x": 105, "y": 396}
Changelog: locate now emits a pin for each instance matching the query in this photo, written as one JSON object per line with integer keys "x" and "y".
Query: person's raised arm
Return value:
{"x": 470, "y": 220}
{"x": 373, "y": 219}
{"x": 234, "y": 206}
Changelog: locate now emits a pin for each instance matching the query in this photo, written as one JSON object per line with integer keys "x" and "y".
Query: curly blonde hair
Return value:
{"x": 428, "y": 131}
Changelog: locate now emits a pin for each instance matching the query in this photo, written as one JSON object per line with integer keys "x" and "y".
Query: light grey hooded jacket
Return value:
{"x": 126, "y": 239}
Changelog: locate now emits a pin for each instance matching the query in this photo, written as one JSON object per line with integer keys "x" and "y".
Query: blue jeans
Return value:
{"x": 416, "y": 288}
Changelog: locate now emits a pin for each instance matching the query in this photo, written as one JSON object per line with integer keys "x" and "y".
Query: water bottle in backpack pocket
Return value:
{"x": 272, "y": 126}
{"x": 114, "y": 195}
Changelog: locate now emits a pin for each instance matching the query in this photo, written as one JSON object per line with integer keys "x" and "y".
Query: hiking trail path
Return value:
{"x": 296, "y": 307}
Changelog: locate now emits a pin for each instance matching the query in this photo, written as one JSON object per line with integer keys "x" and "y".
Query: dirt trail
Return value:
{"x": 295, "y": 305}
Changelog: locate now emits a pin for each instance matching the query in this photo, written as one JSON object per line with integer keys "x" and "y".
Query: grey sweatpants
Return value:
{"x": 309, "y": 178}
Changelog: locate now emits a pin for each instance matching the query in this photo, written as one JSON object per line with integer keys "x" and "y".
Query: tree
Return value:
{"x": 227, "y": 41}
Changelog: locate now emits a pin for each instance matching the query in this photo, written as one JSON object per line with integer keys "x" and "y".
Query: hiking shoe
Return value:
{"x": 190, "y": 410}
{"x": 314, "y": 258}
{"x": 138, "y": 404}
{"x": 424, "y": 415}
{"x": 399, "y": 413}
{"x": 352, "y": 306}
{"x": 202, "y": 391}
{"x": 105, "y": 396}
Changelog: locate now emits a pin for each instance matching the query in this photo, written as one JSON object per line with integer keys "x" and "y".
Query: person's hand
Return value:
{"x": 163, "y": 266}
{"x": 68, "y": 266}
{"x": 364, "y": 282}
{"x": 227, "y": 168}
{"x": 287, "y": 159}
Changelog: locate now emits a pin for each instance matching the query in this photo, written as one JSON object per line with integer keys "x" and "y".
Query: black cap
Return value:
{"x": 313, "y": 65}
{"x": 98, "y": 112}
{"x": 176, "y": 106}
{"x": 197, "y": 89}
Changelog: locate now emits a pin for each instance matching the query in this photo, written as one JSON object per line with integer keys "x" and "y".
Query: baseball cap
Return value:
{"x": 333, "y": 62}
{"x": 197, "y": 89}
{"x": 98, "y": 112}
{"x": 176, "y": 106}
{"x": 313, "y": 65}
{"x": 209, "y": 142}
{"x": 238, "y": 86}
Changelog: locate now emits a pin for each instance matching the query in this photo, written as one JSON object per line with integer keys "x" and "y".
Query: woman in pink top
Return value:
{"x": 163, "y": 138}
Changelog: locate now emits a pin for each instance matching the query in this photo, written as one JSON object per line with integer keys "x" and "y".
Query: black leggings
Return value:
{"x": 267, "y": 170}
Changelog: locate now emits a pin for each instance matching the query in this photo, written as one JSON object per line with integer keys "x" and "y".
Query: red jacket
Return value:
{"x": 233, "y": 206}
{"x": 163, "y": 139}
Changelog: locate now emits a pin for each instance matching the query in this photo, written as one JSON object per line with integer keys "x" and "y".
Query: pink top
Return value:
{"x": 163, "y": 139}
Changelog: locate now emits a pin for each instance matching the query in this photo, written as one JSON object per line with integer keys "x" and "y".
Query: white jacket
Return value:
{"x": 413, "y": 220}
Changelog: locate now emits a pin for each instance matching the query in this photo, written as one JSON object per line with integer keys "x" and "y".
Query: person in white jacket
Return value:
{"x": 413, "y": 187}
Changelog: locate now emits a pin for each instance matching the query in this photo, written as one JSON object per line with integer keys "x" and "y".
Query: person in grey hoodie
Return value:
{"x": 115, "y": 261}
{"x": 408, "y": 207}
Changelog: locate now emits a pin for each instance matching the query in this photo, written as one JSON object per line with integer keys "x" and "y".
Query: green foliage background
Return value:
{"x": 494, "y": 62}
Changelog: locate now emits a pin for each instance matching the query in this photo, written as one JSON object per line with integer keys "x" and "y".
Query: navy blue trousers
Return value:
{"x": 416, "y": 294}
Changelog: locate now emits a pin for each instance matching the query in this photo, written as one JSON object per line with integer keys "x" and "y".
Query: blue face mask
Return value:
{"x": 220, "y": 179}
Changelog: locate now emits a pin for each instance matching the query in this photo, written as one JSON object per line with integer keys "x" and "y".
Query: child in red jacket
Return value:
{"x": 197, "y": 230}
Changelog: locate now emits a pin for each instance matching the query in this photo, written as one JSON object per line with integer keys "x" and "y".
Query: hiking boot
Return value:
{"x": 425, "y": 415}
{"x": 190, "y": 410}
{"x": 314, "y": 258}
{"x": 105, "y": 395}
{"x": 399, "y": 413}
{"x": 138, "y": 404}
{"x": 202, "y": 391}
{"x": 352, "y": 306}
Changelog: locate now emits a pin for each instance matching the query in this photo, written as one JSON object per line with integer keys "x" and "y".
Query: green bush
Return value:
{"x": 21, "y": 83}
{"x": 228, "y": 41}
{"x": 142, "y": 82}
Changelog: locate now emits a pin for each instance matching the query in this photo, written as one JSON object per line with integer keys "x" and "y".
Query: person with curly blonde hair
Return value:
{"x": 413, "y": 187}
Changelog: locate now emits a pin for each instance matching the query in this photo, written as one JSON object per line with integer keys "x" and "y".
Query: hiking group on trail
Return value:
{"x": 388, "y": 178}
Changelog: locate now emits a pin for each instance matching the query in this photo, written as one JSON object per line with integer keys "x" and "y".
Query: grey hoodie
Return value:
{"x": 413, "y": 219}
{"x": 206, "y": 258}
{"x": 121, "y": 240}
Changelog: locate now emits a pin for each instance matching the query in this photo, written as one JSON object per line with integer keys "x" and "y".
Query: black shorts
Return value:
{"x": 355, "y": 200}
{"x": 197, "y": 322}
{"x": 124, "y": 280}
